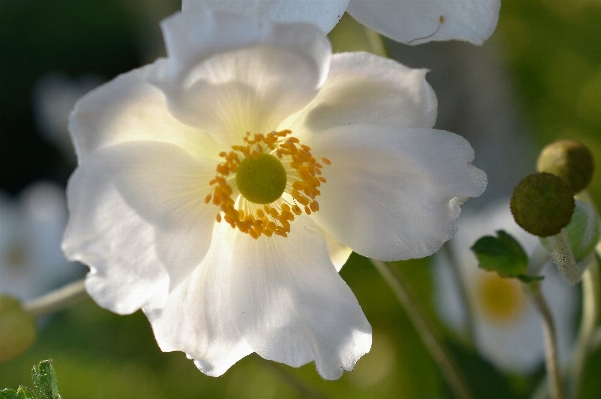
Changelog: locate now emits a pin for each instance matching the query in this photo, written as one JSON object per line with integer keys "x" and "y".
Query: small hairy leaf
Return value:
{"x": 502, "y": 254}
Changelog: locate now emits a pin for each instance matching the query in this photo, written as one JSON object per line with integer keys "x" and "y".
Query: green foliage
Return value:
{"x": 25, "y": 393}
{"x": 44, "y": 380}
{"x": 502, "y": 254}
{"x": 8, "y": 394}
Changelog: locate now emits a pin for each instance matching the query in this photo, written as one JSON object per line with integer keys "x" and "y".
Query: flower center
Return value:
{"x": 261, "y": 180}
{"x": 501, "y": 299}
{"x": 265, "y": 182}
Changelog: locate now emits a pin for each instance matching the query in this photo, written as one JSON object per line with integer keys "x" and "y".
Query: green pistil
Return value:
{"x": 261, "y": 180}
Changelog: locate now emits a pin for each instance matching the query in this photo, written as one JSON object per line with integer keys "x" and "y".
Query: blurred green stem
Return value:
{"x": 588, "y": 336}
{"x": 292, "y": 380}
{"x": 431, "y": 341}
{"x": 460, "y": 284}
{"x": 551, "y": 359}
{"x": 57, "y": 300}
{"x": 591, "y": 298}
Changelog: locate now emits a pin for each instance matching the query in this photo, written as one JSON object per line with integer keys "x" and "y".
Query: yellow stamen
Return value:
{"x": 302, "y": 182}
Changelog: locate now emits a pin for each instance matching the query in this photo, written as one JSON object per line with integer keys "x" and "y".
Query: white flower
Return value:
{"x": 407, "y": 21}
{"x": 158, "y": 151}
{"x": 31, "y": 229}
{"x": 508, "y": 328}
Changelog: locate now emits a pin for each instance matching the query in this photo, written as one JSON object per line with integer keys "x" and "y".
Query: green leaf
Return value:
{"x": 26, "y": 393}
{"x": 8, "y": 394}
{"x": 502, "y": 254}
{"x": 44, "y": 380}
{"x": 528, "y": 279}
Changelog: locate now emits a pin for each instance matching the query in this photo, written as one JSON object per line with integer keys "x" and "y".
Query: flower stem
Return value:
{"x": 56, "y": 300}
{"x": 564, "y": 258}
{"x": 591, "y": 298}
{"x": 538, "y": 260}
{"x": 424, "y": 329}
{"x": 551, "y": 359}
{"x": 463, "y": 297}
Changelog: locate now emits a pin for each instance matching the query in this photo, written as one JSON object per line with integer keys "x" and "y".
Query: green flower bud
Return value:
{"x": 542, "y": 204}
{"x": 569, "y": 160}
{"x": 582, "y": 231}
{"x": 17, "y": 329}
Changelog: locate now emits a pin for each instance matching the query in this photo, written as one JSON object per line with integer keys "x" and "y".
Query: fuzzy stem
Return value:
{"x": 551, "y": 359}
{"x": 564, "y": 258}
{"x": 56, "y": 300}
{"x": 424, "y": 329}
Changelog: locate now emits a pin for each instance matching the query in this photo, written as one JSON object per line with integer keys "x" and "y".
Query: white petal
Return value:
{"x": 339, "y": 253}
{"x": 292, "y": 306}
{"x": 364, "y": 88}
{"x": 324, "y": 14}
{"x": 392, "y": 193}
{"x": 197, "y": 317}
{"x": 230, "y": 75}
{"x": 128, "y": 108}
{"x": 418, "y": 21}
{"x": 138, "y": 218}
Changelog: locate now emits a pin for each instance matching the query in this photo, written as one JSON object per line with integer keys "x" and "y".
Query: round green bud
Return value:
{"x": 569, "y": 160}
{"x": 261, "y": 180}
{"x": 582, "y": 231}
{"x": 542, "y": 204}
{"x": 17, "y": 329}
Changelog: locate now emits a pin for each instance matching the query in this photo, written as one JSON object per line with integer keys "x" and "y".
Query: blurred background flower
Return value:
{"x": 54, "y": 96}
{"x": 506, "y": 326}
{"x": 31, "y": 230}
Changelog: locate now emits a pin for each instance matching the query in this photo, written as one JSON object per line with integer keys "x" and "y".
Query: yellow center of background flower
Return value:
{"x": 501, "y": 299}
{"x": 263, "y": 184}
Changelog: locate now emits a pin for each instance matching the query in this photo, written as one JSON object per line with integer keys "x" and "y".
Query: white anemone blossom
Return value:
{"x": 221, "y": 189}
{"x": 407, "y": 21}
{"x": 507, "y": 326}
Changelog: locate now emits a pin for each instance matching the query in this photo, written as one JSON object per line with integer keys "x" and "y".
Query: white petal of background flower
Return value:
{"x": 390, "y": 191}
{"x": 363, "y": 88}
{"x": 516, "y": 343}
{"x": 323, "y": 13}
{"x": 419, "y": 21}
{"x": 31, "y": 229}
